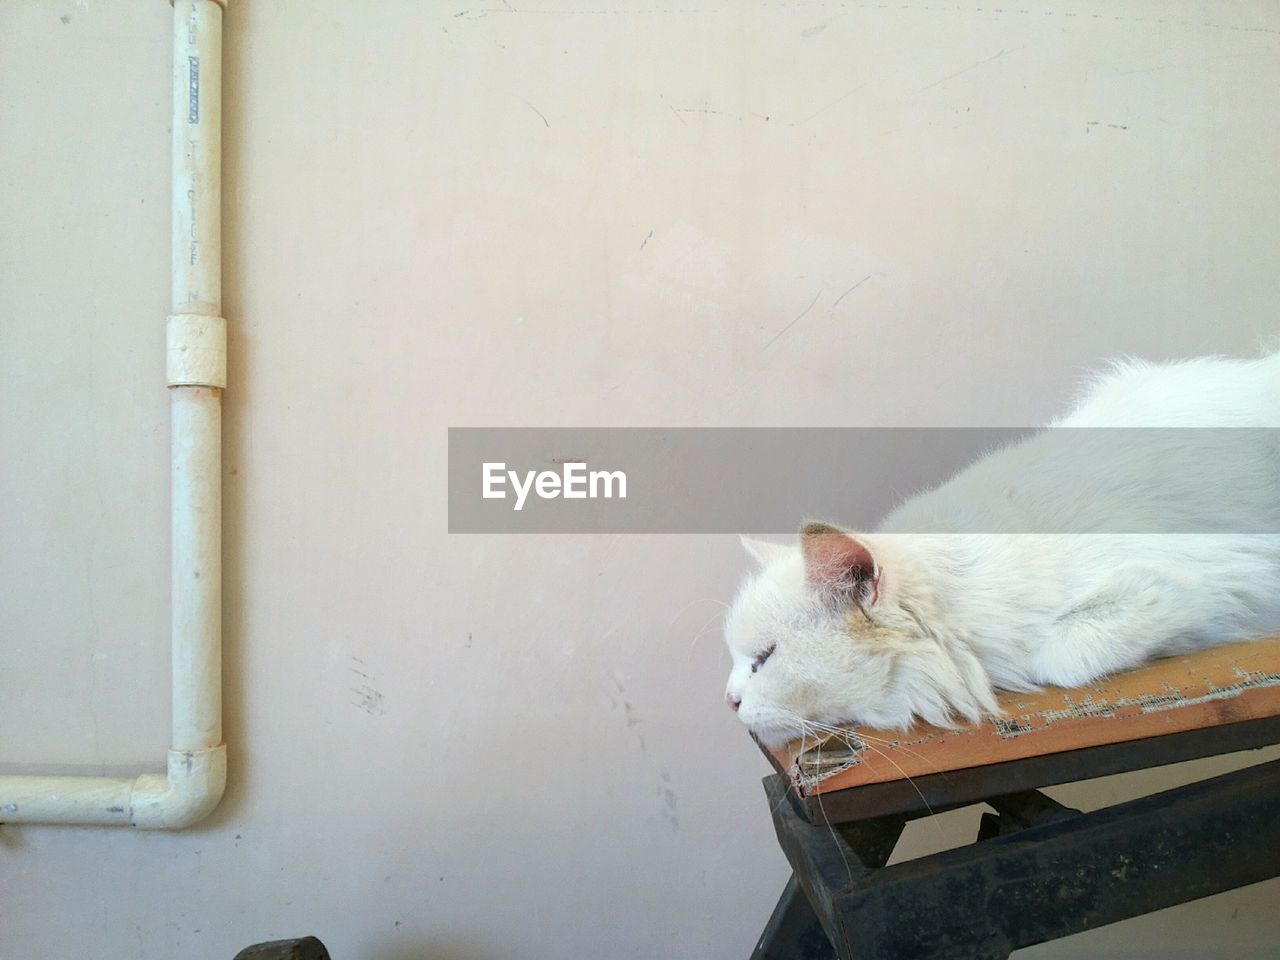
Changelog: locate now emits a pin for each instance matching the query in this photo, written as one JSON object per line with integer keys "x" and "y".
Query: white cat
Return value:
{"x": 885, "y": 628}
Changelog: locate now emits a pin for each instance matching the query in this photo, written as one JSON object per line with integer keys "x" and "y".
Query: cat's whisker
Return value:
{"x": 702, "y": 629}
{"x": 919, "y": 792}
{"x": 694, "y": 642}
{"x": 693, "y": 603}
{"x": 841, "y": 733}
{"x": 797, "y": 723}
{"x": 851, "y": 736}
{"x": 839, "y": 841}
{"x": 845, "y": 733}
{"x": 724, "y": 607}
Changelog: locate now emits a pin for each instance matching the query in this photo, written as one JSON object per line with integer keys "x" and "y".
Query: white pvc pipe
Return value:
{"x": 196, "y": 769}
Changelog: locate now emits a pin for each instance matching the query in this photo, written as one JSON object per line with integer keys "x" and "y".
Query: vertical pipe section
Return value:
{"x": 197, "y": 375}
{"x": 197, "y": 157}
{"x": 196, "y": 567}
{"x": 196, "y": 371}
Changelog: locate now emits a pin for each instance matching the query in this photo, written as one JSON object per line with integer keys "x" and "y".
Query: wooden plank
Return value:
{"x": 936, "y": 792}
{"x": 1225, "y": 685}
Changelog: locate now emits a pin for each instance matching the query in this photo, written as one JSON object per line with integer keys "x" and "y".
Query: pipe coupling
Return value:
{"x": 197, "y": 351}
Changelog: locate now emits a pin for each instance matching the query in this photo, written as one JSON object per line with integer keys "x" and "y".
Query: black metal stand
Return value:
{"x": 1038, "y": 870}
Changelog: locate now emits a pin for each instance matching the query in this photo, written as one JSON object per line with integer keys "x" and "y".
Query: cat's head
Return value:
{"x": 823, "y": 632}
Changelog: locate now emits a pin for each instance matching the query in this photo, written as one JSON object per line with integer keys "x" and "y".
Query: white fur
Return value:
{"x": 963, "y": 607}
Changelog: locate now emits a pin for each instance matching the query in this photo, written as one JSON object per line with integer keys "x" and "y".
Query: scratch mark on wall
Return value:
{"x": 540, "y": 114}
{"x": 368, "y": 696}
{"x": 369, "y": 700}
{"x": 800, "y": 316}
{"x": 713, "y": 112}
{"x": 973, "y": 66}
{"x": 834, "y": 103}
{"x": 481, "y": 14}
{"x": 849, "y": 291}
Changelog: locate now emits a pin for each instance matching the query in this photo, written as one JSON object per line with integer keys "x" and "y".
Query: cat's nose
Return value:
{"x": 734, "y": 702}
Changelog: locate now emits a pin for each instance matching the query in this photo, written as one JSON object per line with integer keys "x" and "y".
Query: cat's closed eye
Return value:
{"x": 758, "y": 662}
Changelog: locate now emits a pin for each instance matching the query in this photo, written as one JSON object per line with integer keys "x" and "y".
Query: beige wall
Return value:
{"x": 459, "y": 214}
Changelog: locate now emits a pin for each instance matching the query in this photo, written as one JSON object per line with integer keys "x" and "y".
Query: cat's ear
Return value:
{"x": 762, "y": 551}
{"x": 836, "y": 561}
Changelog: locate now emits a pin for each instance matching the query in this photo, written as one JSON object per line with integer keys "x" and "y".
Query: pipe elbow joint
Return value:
{"x": 185, "y": 795}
